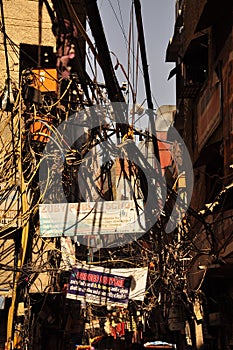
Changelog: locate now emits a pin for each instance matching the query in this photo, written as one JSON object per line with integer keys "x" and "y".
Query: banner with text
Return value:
{"x": 98, "y": 287}
{"x": 91, "y": 218}
{"x": 103, "y": 286}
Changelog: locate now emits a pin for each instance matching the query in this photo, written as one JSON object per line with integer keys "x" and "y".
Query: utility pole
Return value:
{"x": 114, "y": 92}
{"x": 137, "y": 7}
{"x": 141, "y": 38}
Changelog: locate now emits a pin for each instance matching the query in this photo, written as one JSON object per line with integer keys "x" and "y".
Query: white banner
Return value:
{"x": 68, "y": 254}
{"x": 101, "y": 285}
{"x": 91, "y": 218}
{"x": 10, "y": 206}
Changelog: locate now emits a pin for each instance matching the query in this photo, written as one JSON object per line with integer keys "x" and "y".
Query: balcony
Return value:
{"x": 193, "y": 70}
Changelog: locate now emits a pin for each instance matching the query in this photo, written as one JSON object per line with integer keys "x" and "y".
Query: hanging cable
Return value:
{"x": 5, "y": 45}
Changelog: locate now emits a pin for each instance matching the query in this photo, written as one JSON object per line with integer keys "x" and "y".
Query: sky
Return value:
{"x": 158, "y": 20}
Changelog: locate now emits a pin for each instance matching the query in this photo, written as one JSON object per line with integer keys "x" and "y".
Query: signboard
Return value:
{"x": 10, "y": 204}
{"x": 103, "y": 286}
{"x": 91, "y": 218}
{"x": 98, "y": 287}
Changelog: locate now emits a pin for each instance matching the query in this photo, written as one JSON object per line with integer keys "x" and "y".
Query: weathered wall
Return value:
{"x": 22, "y": 26}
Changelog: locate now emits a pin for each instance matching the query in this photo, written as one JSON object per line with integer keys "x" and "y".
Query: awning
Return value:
{"x": 159, "y": 344}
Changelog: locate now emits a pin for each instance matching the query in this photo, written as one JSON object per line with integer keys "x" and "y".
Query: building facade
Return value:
{"x": 202, "y": 48}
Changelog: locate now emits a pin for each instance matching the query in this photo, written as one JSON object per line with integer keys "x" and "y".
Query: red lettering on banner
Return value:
{"x": 105, "y": 280}
{"x": 111, "y": 281}
{"x": 83, "y": 276}
{"x": 92, "y": 277}
{"x": 119, "y": 283}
